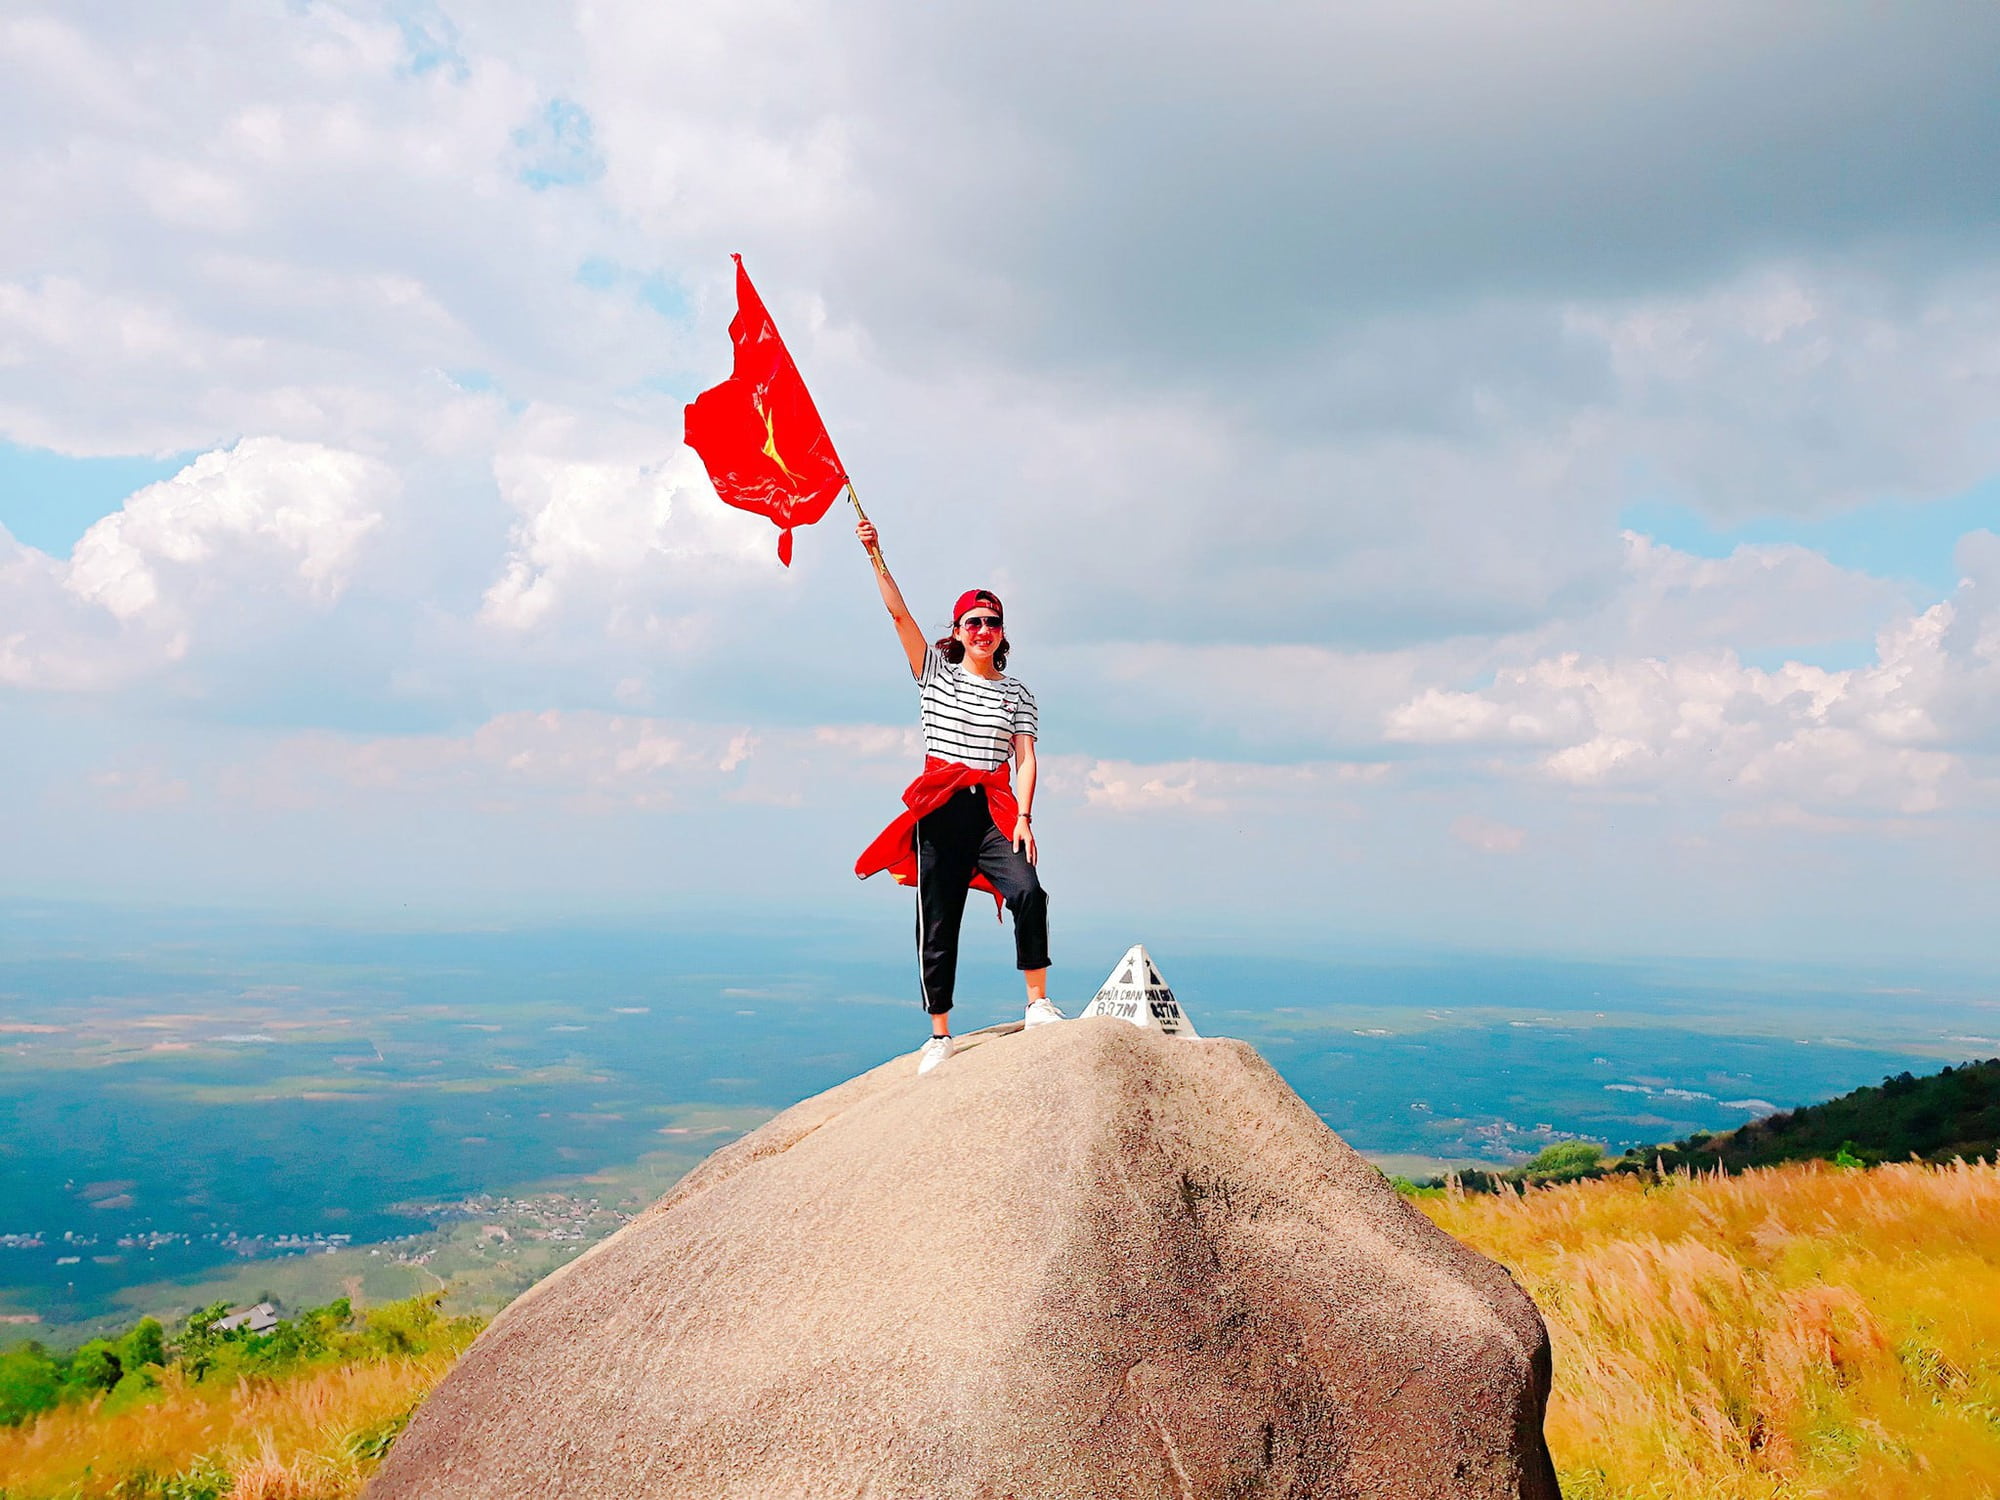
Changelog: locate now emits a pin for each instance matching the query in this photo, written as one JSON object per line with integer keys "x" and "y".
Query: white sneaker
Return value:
{"x": 936, "y": 1050}
{"x": 1040, "y": 1013}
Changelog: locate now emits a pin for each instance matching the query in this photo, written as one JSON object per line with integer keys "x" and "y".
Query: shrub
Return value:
{"x": 1565, "y": 1161}
{"x": 145, "y": 1343}
{"x": 406, "y": 1327}
{"x": 30, "y": 1381}
{"x": 94, "y": 1367}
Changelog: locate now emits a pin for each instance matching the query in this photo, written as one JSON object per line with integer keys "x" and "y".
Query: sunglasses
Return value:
{"x": 980, "y": 622}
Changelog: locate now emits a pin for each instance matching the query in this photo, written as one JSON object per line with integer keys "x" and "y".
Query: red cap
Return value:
{"x": 971, "y": 597}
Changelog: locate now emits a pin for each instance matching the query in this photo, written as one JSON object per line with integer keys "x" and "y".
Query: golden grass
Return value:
{"x": 1794, "y": 1332}
{"x": 312, "y": 1435}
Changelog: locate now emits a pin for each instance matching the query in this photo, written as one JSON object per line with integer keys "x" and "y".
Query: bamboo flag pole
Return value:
{"x": 853, "y": 499}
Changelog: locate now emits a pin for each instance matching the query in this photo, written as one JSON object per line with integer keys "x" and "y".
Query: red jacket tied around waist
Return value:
{"x": 895, "y": 847}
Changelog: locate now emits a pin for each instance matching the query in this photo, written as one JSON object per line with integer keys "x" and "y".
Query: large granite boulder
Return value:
{"x": 1075, "y": 1261}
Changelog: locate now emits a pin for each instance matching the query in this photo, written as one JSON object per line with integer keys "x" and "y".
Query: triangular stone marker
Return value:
{"x": 1135, "y": 992}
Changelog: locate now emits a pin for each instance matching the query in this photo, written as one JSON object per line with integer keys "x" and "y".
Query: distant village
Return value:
{"x": 548, "y": 1217}
{"x": 247, "y": 1246}
{"x": 553, "y": 1217}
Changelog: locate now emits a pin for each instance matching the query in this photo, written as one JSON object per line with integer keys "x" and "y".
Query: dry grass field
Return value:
{"x": 314, "y": 1434}
{"x": 1795, "y": 1332}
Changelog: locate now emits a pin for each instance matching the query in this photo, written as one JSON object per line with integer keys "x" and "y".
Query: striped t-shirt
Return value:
{"x": 967, "y": 718}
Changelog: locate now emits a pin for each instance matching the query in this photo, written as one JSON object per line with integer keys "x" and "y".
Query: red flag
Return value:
{"x": 758, "y": 433}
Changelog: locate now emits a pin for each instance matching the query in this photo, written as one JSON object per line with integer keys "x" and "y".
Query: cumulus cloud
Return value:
{"x": 46, "y": 639}
{"x": 1760, "y": 597}
{"x": 1313, "y": 700}
{"x": 611, "y": 531}
{"x": 1909, "y": 733}
{"x": 300, "y": 506}
{"x": 241, "y": 535}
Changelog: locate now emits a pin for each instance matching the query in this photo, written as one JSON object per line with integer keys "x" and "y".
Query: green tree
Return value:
{"x": 195, "y": 1349}
{"x": 145, "y": 1343}
{"x": 29, "y": 1382}
{"x": 94, "y": 1367}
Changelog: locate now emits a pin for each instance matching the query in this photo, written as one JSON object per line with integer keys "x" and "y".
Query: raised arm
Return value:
{"x": 907, "y": 629}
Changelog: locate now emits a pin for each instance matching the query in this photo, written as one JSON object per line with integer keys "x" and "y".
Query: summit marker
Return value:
{"x": 1135, "y": 992}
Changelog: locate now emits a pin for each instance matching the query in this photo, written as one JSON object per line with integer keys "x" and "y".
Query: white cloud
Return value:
{"x": 46, "y": 639}
{"x": 600, "y": 761}
{"x": 1488, "y": 835}
{"x": 238, "y": 537}
{"x": 1031, "y": 180}
{"x": 278, "y": 221}
{"x": 1807, "y": 390}
{"x": 140, "y": 790}
{"x": 612, "y": 531}
{"x": 296, "y": 512}
{"x": 1434, "y": 474}
{"x": 1127, "y": 788}
{"x": 1776, "y": 596}
{"x": 1310, "y": 699}
{"x": 586, "y": 759}
{"x": 1203, "y": 787}
{"x": 1904, "y": 734}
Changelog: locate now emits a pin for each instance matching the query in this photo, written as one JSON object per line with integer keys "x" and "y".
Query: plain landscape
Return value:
{"x": 197, "y": 1109}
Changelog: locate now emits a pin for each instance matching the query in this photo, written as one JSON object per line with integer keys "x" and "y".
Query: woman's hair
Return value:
{"x": 952, "y": 649}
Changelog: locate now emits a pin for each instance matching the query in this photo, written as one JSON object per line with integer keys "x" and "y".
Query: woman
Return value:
{"x": 965, "y": 825}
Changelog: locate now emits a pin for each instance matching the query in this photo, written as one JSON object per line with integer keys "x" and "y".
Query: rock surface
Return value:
{"x": 1074, "y": 1261}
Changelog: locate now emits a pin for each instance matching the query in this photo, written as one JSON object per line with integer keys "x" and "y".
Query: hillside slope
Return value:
{"x": 1936, "y": 1118}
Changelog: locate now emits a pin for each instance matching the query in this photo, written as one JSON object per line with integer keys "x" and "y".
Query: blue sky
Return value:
{"x": 1459, "y": 475}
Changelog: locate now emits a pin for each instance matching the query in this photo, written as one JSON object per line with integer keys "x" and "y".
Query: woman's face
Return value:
{"x": 980, "y": 632}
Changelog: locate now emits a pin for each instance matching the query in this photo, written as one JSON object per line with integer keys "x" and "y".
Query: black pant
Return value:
{"x": 951, "y": 843}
